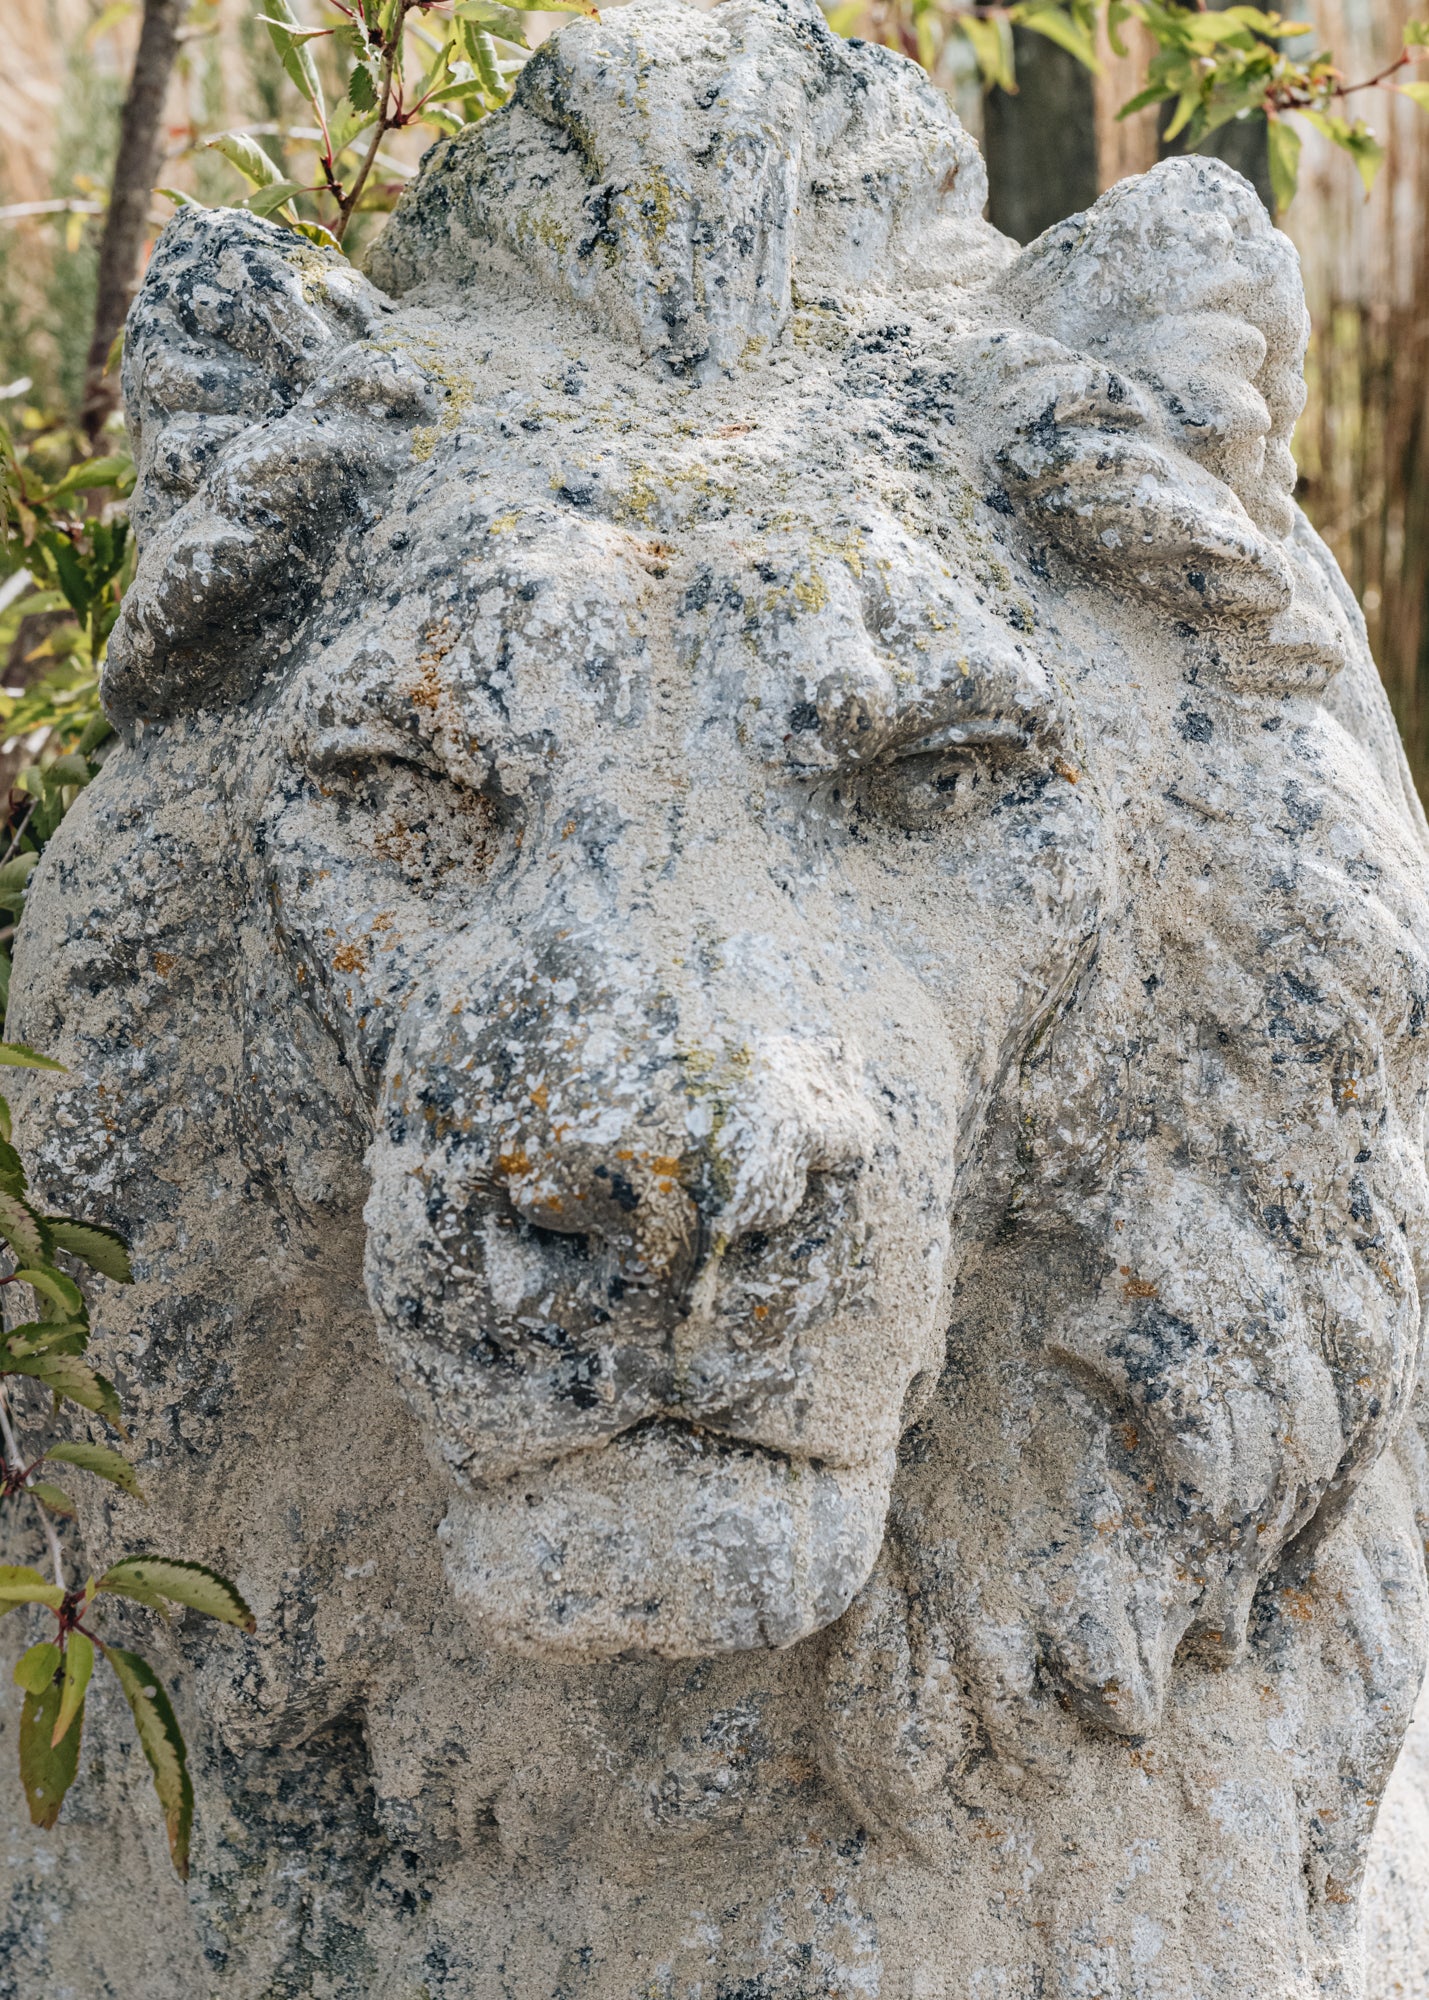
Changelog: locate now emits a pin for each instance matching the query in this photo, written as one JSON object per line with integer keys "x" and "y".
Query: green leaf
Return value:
{"x": 482, "y": 50}
{"x": 1059, "y": 27}
{"x": 141, "y": 1594}
{"x": 56, "y": 1286}
{"x": 186, "y": 1583}
{"x": 46, "y": 1772}
{"x": 1418, "y": 92}
{"x": 90, "y": 473}
{"x": 315, "y": 233}
{"x": 41, "y": 1336}
{"x": 12, "y": 1170}
{"x": 361, "y": 91}
{"x": 101, "y": 1461}
{"x": 506, "y": 22}
{"x": 248, "y": 156}
{"x": 291, "y": 39}
{"x": 992, "y": 46}
{"x": 1284, "y": 144}
{"x": 5, "y": 1125}
{"x": 163, "y": 1745}
{"x": 35, "y": 1669}
{"x": 14, "y": 1055}
{"x": 1416, "y": 34}
{"x": 72, "y": 1380}
{"x": 20, "y": 1585}
{"x": 104, "y": 1250}
{"x": 265, "y": 201}
{"x": 27, "y": 1233}
{"x": 79, "y": 1665}
{"x": 53, "y": 1497}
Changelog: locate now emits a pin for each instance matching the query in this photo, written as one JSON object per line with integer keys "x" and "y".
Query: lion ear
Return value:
{"x": 234, "y": 320}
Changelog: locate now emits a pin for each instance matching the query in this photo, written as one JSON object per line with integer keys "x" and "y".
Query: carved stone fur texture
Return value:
{"x": 754, "y": 977}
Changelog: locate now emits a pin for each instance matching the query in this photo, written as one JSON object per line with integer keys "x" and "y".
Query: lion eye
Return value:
{"x": 406, "y": 816}
{"x": 946, "y": 771}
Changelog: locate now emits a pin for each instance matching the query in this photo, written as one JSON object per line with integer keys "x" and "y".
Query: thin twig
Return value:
{"x": 12, "y": 1452}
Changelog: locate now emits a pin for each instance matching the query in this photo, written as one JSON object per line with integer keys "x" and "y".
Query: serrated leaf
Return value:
{"x": 361, "y": 91}
{"x": 35, "y": 1669}
{"x": 482, "y": 51}
{"x": 40, "y": 1336}
{"x": 1284, "y": 143}
{"x": 27, "y": 1233}
{"x": 78, "y": 1666}
{"x": 101, "y": 1461}
{"x": 186, "y": 1583}
{"x": 13, "y": 1179}
{"x": 56, "y": 1287}
{"x": 53, "y": 1497}
{"x": 247, "y": 155}
{"x": 141, "y": 1594}
{"x": 163, "y": 1745}
{"x": 72, "y": 1380}
{"x": 15, "y": 1055}
{"x": 103, "y": 1249}
{"x": 46, "y": 1772}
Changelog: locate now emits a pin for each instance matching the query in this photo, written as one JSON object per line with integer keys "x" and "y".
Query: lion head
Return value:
{"x": 794, "y": 856}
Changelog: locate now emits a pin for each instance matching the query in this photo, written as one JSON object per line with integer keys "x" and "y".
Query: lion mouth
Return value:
{"x": 672, "y": 1539}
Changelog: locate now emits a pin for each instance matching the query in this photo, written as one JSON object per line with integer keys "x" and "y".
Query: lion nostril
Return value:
{"x": 565, "y": 1242}
{"x": 622, "y": 1193}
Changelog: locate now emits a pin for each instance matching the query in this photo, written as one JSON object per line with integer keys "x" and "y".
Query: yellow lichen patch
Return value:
{"x": 458, "y": 393}
{"x": 811, "y": 593}
{"x": 504, "y": 523}
{"x": 349, "y": 958}
{"x": 164, "y": 963}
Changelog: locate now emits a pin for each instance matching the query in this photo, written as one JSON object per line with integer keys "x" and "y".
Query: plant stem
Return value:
{"x": 380, "y": 130}
{"x": 12, "y": 1452}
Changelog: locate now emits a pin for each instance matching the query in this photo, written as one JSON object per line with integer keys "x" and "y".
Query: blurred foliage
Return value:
{"x": 1210, "y": 65}
{"x": 66, "y": 555}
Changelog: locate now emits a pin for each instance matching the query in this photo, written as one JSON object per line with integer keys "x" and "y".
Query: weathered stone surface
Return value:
{"x": 755, "y": 978}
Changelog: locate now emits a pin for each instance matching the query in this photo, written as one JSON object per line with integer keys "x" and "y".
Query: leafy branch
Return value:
{"x": 49, "y": 1349}
{"x": 435, "y": 63}
{"x": 1210, "y": 66}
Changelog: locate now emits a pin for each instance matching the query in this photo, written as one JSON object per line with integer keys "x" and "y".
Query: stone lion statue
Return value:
{"x": 754, "y": 977}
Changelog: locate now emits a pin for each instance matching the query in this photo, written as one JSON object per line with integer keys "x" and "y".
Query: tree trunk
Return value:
{"x": 1041, "y": 145}
{"x": 135, "y": 167}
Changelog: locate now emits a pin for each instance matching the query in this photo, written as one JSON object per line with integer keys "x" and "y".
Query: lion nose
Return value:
{"x": 628, "y": 1197}
{"x": 684, "y": 1163}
